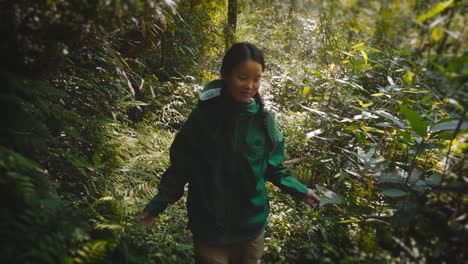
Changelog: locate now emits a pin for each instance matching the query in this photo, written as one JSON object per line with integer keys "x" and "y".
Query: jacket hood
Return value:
{"x": 219, "y": 83}
{"x": 212, "y": 90}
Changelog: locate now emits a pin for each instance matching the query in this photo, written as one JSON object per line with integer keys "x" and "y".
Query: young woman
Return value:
{"x": 225, "y": 151}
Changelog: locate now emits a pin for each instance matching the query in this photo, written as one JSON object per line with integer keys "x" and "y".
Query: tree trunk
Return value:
{"x": 230, "y": 29}
{"x": 9, "y": 43}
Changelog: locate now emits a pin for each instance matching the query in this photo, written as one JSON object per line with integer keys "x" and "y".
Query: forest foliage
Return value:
{"x": 371, "y": 97}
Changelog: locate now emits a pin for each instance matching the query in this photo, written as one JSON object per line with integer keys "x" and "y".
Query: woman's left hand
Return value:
{"x": 311, "y": 198}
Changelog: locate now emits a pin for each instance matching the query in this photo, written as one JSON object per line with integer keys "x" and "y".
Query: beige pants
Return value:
{"x": 245, "y": 252}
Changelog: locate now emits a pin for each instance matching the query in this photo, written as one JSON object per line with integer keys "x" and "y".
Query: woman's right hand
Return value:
{"x": 146, "y": 219}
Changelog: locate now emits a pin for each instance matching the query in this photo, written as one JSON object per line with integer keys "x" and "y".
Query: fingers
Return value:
{"x": 146, "y": 219}
{"x": 312, "y": 198}
{"x": 313, "y": 202}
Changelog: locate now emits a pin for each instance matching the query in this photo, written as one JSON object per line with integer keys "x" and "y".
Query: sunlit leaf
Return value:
{"x": 106, "y": 199}
{"x": 364, "y": 55}
{"x": 306, "y": 90}
{"x": 320, "y": 113}
{"x": 365, "y": 105}
{"x": 348, "y": 221}
{"x": 358, "y": 46}
{"x": 314, "y": 133}
{"x": 108, "y": 226}
{"x": 380, "y": 94}
{"x": 417, "y": 122}
{"x": 437, "y": 33}
{"x": 352, "y": 84}
{"x": 348, "y": 3}
{"x": 456, "y": 104}
{"x": 125, "y": 63}
{"x": 438, "y": 8}
{"x": 384, "y": 114}
{"x": 408, "y": 77}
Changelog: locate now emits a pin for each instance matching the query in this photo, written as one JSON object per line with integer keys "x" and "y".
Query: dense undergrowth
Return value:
{"x": 370, "y": 95}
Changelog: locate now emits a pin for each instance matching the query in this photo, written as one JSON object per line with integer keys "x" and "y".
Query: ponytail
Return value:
{"x": 265, "y": 120}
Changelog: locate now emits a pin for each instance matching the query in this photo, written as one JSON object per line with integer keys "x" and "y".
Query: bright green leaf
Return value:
{"x": 379, "y": 94}
{"x": 125, "y": 63}
{"x": 408, "y": 77}
{"x": 437, "y": 33}
{"x": 306, "y": 90}
{"x": 417, "y": 122}
{"x": 358, "y": 46}
{"x": 438, "y": 8}
{"x": 426, "y": 98}
{"x": 365, "y": 105}
{"x": 348, "y": 221}
{"x": 364, "y": 55}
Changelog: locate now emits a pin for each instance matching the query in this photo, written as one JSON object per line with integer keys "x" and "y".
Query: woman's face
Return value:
{"x": 244, "y": 80}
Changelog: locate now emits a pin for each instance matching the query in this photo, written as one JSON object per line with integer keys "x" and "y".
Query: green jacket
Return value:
{"x": 227, "y": 198}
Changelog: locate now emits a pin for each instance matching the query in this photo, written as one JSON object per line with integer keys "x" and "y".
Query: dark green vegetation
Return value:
{"x": 371, "y": 96}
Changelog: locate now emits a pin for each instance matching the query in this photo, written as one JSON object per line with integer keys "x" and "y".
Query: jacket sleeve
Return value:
{"x": 277, "y": 172}
{"x": 171, "y": 187}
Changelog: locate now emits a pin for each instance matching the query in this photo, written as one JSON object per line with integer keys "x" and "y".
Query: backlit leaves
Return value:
{"x": 437, "y": 9}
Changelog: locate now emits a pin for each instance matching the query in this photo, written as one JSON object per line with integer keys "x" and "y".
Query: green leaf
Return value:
{"x": 380, "y": 94}
{"x": 328, "y": 197}
{"x": 437, "y": 9}
{"x": 417, "y": 122}
{"x": 437, "y": 33}
{"x": 434, "y": 179}
{"x": 449, "y": 125}
{"x": 394, "y": 192}
{"x": 384, "y": 114}
{"x": 97, "y": 159}
{"x": 314, "y": 133}
{"x": 408, "y": 77}
{"x": 125, "y": 63}
{"x": 391, "y": 178}
{"x": 306, "y": 90}
{"x": 426, "y": 98}
{"x": 456, "y": 104}
{"x": 365, "y": 105}
{"x": 364, "y": 55}
{"x": 348, "y": 221}
{"x": 360, "y": 45}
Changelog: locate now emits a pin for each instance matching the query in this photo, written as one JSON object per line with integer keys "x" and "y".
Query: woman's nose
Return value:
{"x": 250, "y": 85}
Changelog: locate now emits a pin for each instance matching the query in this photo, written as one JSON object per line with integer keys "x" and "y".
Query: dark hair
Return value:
{"x": 238, "y": 53}
{"x": 234, "y": 56}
